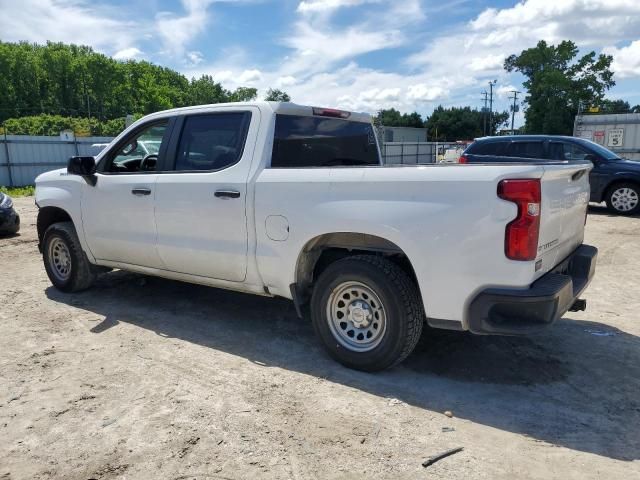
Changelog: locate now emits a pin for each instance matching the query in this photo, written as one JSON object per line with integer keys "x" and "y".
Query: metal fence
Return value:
{"x": 24, "y": 157}
{"x": 407, "y": 153}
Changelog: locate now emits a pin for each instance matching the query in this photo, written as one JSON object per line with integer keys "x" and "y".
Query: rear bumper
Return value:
{"x": 503, "y": 311}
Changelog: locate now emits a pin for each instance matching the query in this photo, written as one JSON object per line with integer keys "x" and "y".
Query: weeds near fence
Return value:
{"x": 25, "y": 191}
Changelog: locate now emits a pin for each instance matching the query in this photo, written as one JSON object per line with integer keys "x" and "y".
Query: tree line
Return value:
{"x": 447, "y": 124}
{"x": 69, "y": 81}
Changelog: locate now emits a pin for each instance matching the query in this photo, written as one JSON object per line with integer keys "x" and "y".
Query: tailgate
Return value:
{"x": 565, "y": 196}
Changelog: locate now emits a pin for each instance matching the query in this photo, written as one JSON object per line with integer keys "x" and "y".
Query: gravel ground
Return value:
{"x": 147, "y": 378}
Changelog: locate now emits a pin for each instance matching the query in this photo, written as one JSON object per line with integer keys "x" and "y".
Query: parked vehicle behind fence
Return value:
{"x": 613, "y": 180}
{"x": 292, "y": 201}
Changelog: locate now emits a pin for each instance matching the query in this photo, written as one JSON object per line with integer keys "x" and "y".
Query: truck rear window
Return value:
{"x": 304, "y": 141}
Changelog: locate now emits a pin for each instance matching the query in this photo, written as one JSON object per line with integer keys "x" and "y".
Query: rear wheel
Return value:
{"x": 64, "y": 260}
{"x": 367, "y": 312}
{"x": 624, "y": 198}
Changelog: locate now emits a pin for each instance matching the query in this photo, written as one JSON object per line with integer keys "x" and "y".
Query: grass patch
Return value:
{"x": 25, "y": 191}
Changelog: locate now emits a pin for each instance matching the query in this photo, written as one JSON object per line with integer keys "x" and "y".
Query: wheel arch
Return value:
{"x": 322, "y": 250}
{"x": 47, "y": 216}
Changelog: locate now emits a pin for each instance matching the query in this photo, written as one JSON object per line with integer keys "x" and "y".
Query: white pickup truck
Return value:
{"x": 285, "y": 200}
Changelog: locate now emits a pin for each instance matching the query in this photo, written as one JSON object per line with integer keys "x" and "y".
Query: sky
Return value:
{"x": 354, "y": 54}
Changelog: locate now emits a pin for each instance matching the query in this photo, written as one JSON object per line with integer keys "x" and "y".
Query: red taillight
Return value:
{"x": 330, "y": 112}
{"x": 463, "y": 159}
{"x": 521, "y": 235}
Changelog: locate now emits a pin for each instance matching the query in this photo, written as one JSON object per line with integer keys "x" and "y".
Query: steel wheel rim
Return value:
{"x": 624, "y": 199}
{"x": 59, "y": 259}
{"x": 356, "y": 316}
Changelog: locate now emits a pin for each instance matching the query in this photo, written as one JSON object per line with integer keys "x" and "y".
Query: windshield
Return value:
{"x": 599, "y": 149}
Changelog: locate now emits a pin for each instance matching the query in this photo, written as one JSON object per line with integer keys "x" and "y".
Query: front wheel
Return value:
{"x": 624, "y": 198}
{"x": 367, "y": 312}
{"x": 66, "y": 264}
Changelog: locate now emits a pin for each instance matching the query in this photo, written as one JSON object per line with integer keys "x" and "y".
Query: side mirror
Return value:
{"x": 83, "y": 166}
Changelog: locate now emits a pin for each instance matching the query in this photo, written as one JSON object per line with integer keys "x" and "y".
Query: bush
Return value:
{"x": 52, "y": 125}
{"x": 26, "y": 191}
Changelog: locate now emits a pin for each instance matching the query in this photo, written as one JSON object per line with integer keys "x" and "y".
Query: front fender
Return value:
{"x": 62, "y": 190}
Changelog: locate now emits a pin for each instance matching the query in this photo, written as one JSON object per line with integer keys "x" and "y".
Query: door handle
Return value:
{"x": 141, "y": 191}
{"x": 227, "y": 194}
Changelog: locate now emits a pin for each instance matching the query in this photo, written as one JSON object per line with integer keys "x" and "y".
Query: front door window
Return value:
{"x": 140, "y": 153}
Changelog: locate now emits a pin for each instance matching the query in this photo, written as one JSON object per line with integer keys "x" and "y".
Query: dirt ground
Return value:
{"x": 144, "y": 378}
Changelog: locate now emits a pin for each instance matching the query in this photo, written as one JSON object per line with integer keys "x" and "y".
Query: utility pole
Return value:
{"x": 484, "y": 114}
{"x": 514, "y": 108}
{"x": 491, "y": 84}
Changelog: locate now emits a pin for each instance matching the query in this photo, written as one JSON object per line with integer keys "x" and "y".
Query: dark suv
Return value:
{"x": 613, "y": 179}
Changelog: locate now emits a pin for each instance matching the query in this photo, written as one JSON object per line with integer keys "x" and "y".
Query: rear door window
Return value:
{"x": 212, "y": 142}
{"x": 526, "y": 150}
{"x": 488, "y": 148}
{"x": 305, "y": 141}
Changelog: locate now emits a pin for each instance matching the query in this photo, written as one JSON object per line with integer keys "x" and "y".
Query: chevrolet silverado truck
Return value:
{"x": 279, "y": 199}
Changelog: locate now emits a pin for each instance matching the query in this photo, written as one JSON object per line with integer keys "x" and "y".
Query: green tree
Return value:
{"x": 557, "y": 82}
{"x": 243, "y": 94}
{"x": 205, "y": 90}
{"x": 45, "y": 124}
{"x": 74, "y": 81}
{"x": 462, "y": 123}
{"x": 615, "y": 106}
{"x": 393, "y": 118}
{"x": 389, "y": 118}
{"x": 275, "y": 95}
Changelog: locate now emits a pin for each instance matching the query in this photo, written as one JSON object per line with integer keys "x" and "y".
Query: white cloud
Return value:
{"x": 321, "y": 6}
{"x": 505, "y": 91}
{"x": 250, "y": 76}
{"x": 317, "y": 48}
{"x": 286, "y": 81}
{"x": 195, "y": 57}
{"x": 626, "y": 60}
{"x": 223, "y": 76}
{"x": 381, "y": 95}
{"x": 487, "y": 63}
{"x": 131, "y": 53}
{"x": 425, "y": 93}
{"x": 177, "y": 32}
{"x": 107, "y": 29}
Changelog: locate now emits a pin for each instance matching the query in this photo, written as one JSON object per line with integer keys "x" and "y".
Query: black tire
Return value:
{"x": 80, "y": 274}
{"x": 13, "y": 228}
{"x": 403, "y": 311}
{"x": 632, "y": 190}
